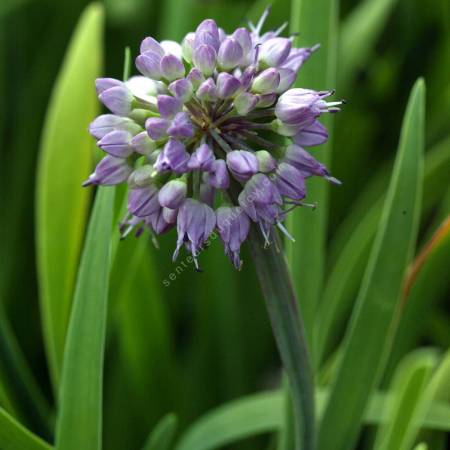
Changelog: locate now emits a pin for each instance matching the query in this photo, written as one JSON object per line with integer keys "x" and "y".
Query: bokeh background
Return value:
{"x": 205, "y": 339}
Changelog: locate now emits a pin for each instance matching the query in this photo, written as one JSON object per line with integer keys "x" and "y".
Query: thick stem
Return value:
{"x": 289, "y": 333}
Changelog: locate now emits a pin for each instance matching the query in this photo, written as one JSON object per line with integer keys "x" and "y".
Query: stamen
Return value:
{"x": 263, "y": 18}
{"x": 285, "y": 231}
{"x": 265, "y": 235}
{"x": 280, "y": 29}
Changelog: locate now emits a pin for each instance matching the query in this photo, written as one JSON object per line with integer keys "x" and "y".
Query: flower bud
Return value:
{"x": 181, "y": 126}
{"x": 204, "y": 58}
{"x": 195, "y": 77}
{"x": 109, "y": 171}
{"x": 266, "y": 82}
{"x": 290, "y": 181}
{"x": 242, "y": 164}
{"x": 171, "y": 67}
{"x": 173, "y": 157}
{"x": 301, "y": 106}
{"x": 104, "y": 124}
{"x": 170, "y": 215}
{"x": 157, "y": 127}
{"x": 141, "y": 177}
{"x": 274, "y": 52}
{"x": 314, "y": 134}
{"x": 218, "y": 176}
{"x": 287, "y": 78}
{"x": 142, "y": 144}
{"x": 227, "y": 85}
{"x": 172, "y": 194}
{"x": 152, "y": 45}
{"x": 202, "y": 158}
{"x": 172, "y": 48}
{"x": 102, "y": 84}
{"x": 117, "y": 99}
{"x": 207, "y": 33}
{"x": 158, "y": 223}
{"x": 306, "y": 164}
{"x": 266, "y": 100}
{"x": 181, "y": 89}
{"x": 117, "y": 143}
{"x": 207, "y": 91}
{"x": 243, "y": 36}
{"x": 187, "y": 46}
{"x": 148, "y": 64}
{"x": 230, "y": 54}
{"x": 245, "y": 102}
{"x": 168, "y": 106}
{"x": 143, "y": 201}
{"x": 266, "y": 162}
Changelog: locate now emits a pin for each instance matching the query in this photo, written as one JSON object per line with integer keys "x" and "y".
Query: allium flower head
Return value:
{"x": 201, "y": 121}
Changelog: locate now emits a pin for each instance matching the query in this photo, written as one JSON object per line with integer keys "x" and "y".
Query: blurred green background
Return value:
{"x": 205, "y": 339}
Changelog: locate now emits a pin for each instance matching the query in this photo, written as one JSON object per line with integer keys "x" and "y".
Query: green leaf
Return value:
{"x": 22, "y": 395}
{"x": 359, "y": 33}
{"x": 351, "y": 246}
{"x": 13, "y": 436}
{"x": 307, "y": 255}
{"x": 264, "y": 413}
{"x": 9, "y": 6}
{"x": 64, "y": 163}
{"x": 408, "y": 401}
{"x": 162, "y": 435}
{"x": 371, "y": 327}
{"x": 79, "y": 423}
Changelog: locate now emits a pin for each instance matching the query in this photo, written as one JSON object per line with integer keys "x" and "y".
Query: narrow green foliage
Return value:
{"x": 163, "y": 434}
{"x": 264, "y": 412}
{"x": 351, "y": 247}
{"x": 359, "y": 33}
{"x": 79, "y": 424}
{"x": 307, "y": 255}
{"x": 408, "y": 400}
{"x": 21, "y": 391}
{"x": 13, "y": 436}
{"x": 370, "y": 330}
{"x": 65, "y": 162}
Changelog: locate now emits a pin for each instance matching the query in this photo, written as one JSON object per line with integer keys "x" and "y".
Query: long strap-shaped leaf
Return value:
{"x": 79, "y": 422}
{"x": 408, "y": 399}
{"x": 263, "y": 413}
{"x": 307, "y": 254}
{"x": 64, "y": 163}
{"x": 368, "y": 337}
{"x": 13, "y": 436}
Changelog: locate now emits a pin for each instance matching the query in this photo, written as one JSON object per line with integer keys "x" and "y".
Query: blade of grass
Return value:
{"x": 371, "y": 326}
{"x": 264, "y": 413}
{"x": 64, "y": 163}
{"x": 359, "y": 33}
{"x": 408, "y": 399}
{"x": 351, "y": 246}
{"x": 22, "y": 391}
{"x": 79, "y": 423}
{"x": 14, "y": 436}
{"x": 307, "y": 254}
{"x": 162, "y": 435}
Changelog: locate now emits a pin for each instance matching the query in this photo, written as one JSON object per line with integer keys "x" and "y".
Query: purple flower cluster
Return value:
{"x": 193, "y": 136}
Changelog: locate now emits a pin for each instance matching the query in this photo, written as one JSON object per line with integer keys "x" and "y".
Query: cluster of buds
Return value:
{"x": 195, "y": 137}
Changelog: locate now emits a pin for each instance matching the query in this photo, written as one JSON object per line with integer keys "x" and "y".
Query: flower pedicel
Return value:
{"x": 194, "y": 136}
